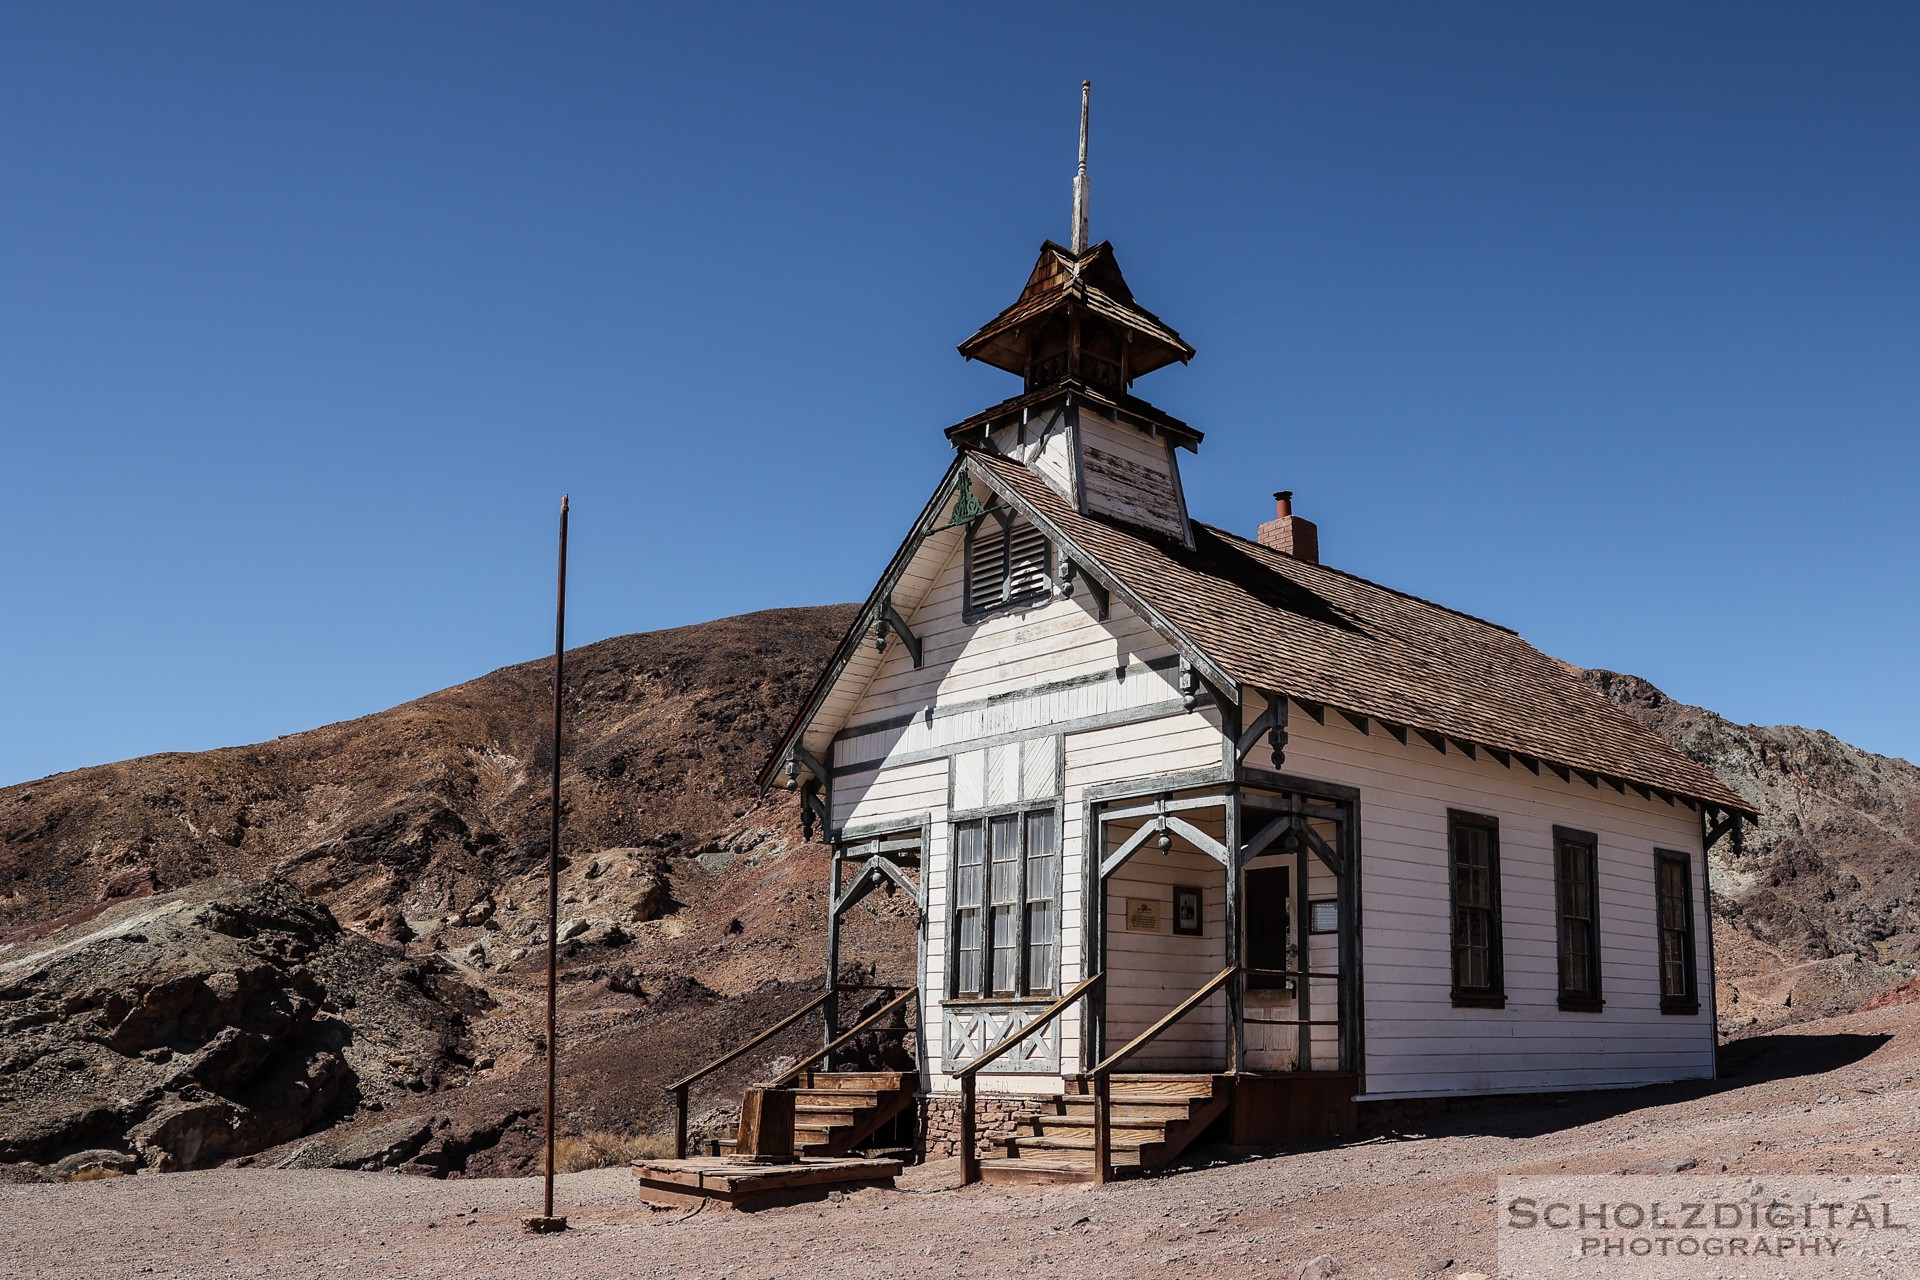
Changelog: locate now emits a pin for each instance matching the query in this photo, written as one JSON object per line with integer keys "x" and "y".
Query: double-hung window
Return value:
{"x": 1673, "y": 899}
{"x": 1473, "y": 846}
{"x": 1006, "y": 885}
{"x": 1577, "y": 887}
{"x": 1006, "y": 563}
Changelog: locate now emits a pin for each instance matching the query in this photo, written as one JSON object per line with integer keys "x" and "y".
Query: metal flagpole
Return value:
{"x": 547, "y": 1222}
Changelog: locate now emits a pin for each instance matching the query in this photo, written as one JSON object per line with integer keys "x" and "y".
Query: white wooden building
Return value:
{"x": 1090, "y": 735}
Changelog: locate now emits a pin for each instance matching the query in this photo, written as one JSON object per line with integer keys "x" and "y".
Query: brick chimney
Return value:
{"x": 1286, "y": 532}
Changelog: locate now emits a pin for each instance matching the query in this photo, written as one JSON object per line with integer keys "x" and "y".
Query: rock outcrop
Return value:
{"x": 179, "y": 1030}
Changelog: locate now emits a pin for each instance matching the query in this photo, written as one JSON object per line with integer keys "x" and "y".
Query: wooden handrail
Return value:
{"x": 1103, "y": 1073}
{"x": 680, "y": 1087}
{"x": 800, "y": 1068}
{"x": 1152, "y": 1033}
{"x": 754, "y": 1043}
{"x": 969, "y": 1158}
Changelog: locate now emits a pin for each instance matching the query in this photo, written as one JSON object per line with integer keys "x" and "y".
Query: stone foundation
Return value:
{"x": 995, "y": 1115}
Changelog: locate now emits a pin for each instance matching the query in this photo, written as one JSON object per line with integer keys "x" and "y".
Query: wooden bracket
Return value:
{"x": 811, "y": 763}
{"x": 814, "y": 810}
{"x": 1068, "y": 571}
{"x": 1273, "y": 723}
{"x": 1729, "y": 823}
{"x": 890, "y": 620}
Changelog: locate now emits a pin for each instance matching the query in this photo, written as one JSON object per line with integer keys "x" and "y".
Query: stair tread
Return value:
{"x": 1045, "y": 1143}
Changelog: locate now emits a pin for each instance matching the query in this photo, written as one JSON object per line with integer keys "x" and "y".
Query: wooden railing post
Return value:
{"x": 969, "y": 1158}
{"x": 1102, "y": 1127}
{"x": 680, "y": 1122}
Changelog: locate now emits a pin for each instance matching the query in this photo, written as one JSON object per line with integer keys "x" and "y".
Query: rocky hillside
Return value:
{"x": 692, "y": 914}
{"x": 1819, "y": 907}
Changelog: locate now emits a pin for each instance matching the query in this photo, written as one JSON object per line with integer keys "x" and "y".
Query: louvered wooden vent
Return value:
{"x": 1006, "y": 564}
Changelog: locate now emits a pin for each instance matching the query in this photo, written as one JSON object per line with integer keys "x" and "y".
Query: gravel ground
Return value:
{"x": 1837, "y": 1096}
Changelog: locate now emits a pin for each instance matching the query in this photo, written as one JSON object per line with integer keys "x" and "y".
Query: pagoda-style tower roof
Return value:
{"x": 1077, "y": 318}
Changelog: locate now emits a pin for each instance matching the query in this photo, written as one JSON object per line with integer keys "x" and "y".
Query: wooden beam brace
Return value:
{"x": 890, "y": 620}
{"x": 1615, "y": 783}
{"x": 1112, "y": 862}
{"x": 1070, "y": 569}
{"x": 892, "y": 871}
{"x": 1198, "y": 839}
{"x": 1643, "y": 792}
{"x": 1719, "y": 829}
{"x": 1265, "y": 837}
{"x": 1324, "y": 851}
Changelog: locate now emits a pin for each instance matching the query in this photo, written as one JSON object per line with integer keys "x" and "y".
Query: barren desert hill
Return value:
{"x": 694, "y": 909}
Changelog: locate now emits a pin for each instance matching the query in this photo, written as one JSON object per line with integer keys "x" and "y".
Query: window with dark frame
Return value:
{"x": 1673, "y": 896}
{"x": 1577, "y": 889}
{"x": 1473, "y": 845}
{"x": 1006, "y": 563}
{"x": 1006, "y": 926}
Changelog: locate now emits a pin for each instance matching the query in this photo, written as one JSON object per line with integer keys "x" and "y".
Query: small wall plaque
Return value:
{"x": 1323, "y": 915}
{"x": 1143, "y": 915}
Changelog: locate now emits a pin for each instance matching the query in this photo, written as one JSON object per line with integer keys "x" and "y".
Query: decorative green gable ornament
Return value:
{"x": 966, "y": 507}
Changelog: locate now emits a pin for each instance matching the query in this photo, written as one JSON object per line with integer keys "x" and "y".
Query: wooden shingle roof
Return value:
{"x": 1091, "y": 280}
{"x": 1316, "y": 634}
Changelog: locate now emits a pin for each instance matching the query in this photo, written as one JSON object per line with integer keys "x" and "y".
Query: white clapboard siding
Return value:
{"x": 1130, "y": 475}
{"x": 1417, "y": 1043}
{"x": 1148, "y": 974}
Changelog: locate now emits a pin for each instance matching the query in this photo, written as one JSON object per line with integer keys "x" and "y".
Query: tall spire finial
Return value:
{"x": 1082, "y": 186}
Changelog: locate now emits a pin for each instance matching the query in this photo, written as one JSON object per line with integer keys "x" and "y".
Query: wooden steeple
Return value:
{"x": 1076, "y": 320}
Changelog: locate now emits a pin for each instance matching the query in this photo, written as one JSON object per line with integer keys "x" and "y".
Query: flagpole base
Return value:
{"x": 543, "y": 1226}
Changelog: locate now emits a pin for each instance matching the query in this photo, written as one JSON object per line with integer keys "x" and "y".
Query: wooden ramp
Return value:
{"x": 1154, "y": 1119}
{"x": 835, "y": 1111}
{"x": 726, "y": 1183}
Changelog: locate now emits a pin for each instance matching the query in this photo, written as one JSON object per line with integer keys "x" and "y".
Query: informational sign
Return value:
{"x": 1143, "y": 915}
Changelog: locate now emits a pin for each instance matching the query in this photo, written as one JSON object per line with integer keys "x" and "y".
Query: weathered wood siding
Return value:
{"x": 1044, "y": 443}
{"x": 1130, "y": 475}
{"x": 1416, "y": 1042}
{"x": 1031, "y": 705}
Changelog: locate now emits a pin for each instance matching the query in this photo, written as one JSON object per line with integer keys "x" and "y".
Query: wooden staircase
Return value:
{"x": 1154, "y": 1119}
{"x": 835, "y": 1111}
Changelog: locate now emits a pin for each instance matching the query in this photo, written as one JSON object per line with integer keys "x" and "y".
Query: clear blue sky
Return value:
{"x": 1599, "y": 320}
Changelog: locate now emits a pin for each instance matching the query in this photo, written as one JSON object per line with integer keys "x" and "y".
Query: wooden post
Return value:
{"x": 969, "y": 1159}
{"x": 1236, "y": 940}
{"x": 680, "y": 1123}
{"x": 766, "y": 1125}
{"x": 830, "y": 1012}
{"x": 1102, "y": 1127}
{"x": 1302, "y": 864}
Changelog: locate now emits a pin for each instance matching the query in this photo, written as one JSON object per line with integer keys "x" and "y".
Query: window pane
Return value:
{"x": 1043, "y": 882}
{"x": 967, "y": 947}
{"x": 969, "y": 889}
{"x": 1005, "y": 955}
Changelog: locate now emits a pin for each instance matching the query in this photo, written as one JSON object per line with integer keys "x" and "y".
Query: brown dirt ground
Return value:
{"x": 1838, "y": 1095}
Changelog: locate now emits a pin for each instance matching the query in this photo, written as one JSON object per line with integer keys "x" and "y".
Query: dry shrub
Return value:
{"x": 93, "y": 1173}
{"x": 601, "y": 1150}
